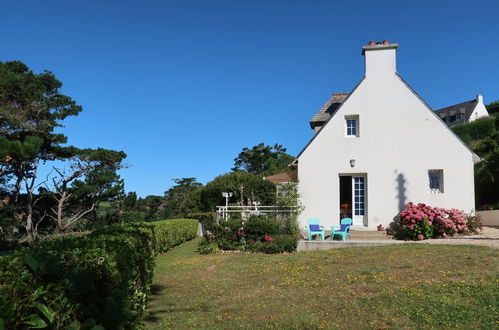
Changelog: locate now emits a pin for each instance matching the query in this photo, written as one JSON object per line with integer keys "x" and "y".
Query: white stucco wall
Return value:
{"x": 400, "y": 140}
{"x": 480, "y": 109}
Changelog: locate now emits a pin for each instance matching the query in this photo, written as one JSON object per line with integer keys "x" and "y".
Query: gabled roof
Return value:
{"x": 327, "y": 110}
{"x": 464, "y": 108}
{"x": 476, "y": 158}
{"x": 295, "y": 162}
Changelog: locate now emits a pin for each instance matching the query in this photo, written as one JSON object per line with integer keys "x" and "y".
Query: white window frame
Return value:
{"x": 436, "y": 181}
{"x": 348, "y": 129}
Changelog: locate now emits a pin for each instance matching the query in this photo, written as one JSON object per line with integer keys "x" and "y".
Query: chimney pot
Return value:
{"x": 385, "y": 42}
{"x": 371, "y": 43}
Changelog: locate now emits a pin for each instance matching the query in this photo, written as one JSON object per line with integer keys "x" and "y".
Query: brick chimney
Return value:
{"x": 380, "y": 58}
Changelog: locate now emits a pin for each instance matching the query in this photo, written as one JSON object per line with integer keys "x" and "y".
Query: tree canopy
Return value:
{"x": 31, "y": 107}
{"x": 263, "y": 159}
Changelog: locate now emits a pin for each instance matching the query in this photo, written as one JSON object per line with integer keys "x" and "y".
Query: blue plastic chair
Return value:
{"x": 343, "y": 230}
{"x": 314, "y": 228}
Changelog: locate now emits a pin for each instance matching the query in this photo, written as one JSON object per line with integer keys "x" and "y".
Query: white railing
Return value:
{"x": 225, "y": 212}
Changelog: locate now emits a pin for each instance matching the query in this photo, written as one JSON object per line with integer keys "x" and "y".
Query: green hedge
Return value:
{"x": 79, "y": 282}
{"x": 89, "y": 281}
{"x": 170, "y": 233}
{"x": 475, "y": 130}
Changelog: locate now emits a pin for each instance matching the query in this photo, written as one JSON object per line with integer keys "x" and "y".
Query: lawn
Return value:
{"x": 409, "y": 286}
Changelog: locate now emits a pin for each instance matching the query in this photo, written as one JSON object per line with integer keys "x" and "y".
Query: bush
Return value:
{"x": 474, "y": 224}
{"x": 207, "y": 247}
{"x": 80, "y": 281}
{"x": 449, "y": 222}
{"x": 258, "y": 226}
{"x": 420, "y": 221}
{"x": 258, "y": 234}
{"x": 131, "y": 216}
{"x": 277, "y": 244}
{"x": 416, "y": 222}
{"x": 475, "y": 130}
{"x": 170, "y": 233}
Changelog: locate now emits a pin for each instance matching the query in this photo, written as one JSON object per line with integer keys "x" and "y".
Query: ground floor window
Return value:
{"x": 436, "y": 181}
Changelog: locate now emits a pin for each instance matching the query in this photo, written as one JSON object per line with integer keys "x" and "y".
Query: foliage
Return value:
{"x": 80, "y": 281}
{"x": 449, "y": 222}
{"x": 170, "y": 233}
{"x": 258, "y": 226}
{"x": 474, "y": 224}
{"x": 244, "y": 186}
{"x": 263, "y": 159}
{"x": 421, "y": 221}
{"x": 277, "y": 244}
{"x": 416, "y": 221}
{"x": 258, "y": 233}
{"x": 493, "y": 107}
{"x": 179, "y": 200}
{"x": 207, "y": 247}
{"x": 482, "y": 135}
{"x": 31, "y": 108}
{"x": 475, "y": 130}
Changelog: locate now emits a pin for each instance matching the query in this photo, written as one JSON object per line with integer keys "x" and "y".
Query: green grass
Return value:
{"x": 409, "y": 286}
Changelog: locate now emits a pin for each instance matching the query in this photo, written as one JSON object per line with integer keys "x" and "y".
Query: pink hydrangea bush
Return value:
{"x": 450, "y": 222}
{"x": 421, "y": 221}
{"x": 416, "y": 221}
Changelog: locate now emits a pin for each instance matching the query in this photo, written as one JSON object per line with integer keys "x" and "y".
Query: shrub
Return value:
{"x": 278, "y": 244}
{"x": 416, "y": 222}
{"x": 170, "y": 233}
{"x": 258, "y": 226}
{"x": 258, "y": 233}
{"x": 207, "y": 247}
{"x": 449, "y": 222}
{"x": 474, "y": 224}
{"x": 420, "y": 221}
{"x": 102, "y": 278}
{"x": 131, "y": 216}
{"x": 225, "y": 233}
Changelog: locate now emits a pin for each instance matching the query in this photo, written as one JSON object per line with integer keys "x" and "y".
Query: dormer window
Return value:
{"x": 352, "y": 126}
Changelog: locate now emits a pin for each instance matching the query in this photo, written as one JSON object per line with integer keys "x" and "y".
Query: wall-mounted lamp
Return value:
{"x": 352, "y": 162}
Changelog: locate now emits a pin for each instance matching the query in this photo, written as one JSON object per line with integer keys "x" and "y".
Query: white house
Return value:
{"x": 463, "y": 112}
{"x": 380, "y": 147}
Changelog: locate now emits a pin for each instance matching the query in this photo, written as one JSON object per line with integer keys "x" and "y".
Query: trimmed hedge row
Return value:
{"x": 82, "y": 282}
{"x": 475, "y": 130}
{"x": 170, "y": 233}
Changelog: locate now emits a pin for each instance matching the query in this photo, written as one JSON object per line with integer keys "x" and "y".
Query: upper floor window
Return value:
{"x": 352, "y": 126}
{"x": 436, "y": 181}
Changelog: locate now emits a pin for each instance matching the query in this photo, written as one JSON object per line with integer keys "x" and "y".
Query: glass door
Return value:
{"x": 359, "y": 201}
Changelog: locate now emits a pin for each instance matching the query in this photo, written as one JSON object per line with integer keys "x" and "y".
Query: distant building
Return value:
{"x": 463, "y": 112}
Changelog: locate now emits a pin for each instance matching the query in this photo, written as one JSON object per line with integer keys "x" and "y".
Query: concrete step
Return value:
{"x": 368, "y": 232}
{"x": 369, "y": 235}
{"x": 304, "y": 245}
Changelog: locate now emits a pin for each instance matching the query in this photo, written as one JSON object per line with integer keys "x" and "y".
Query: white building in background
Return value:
{"x": 464, "y": 112}
{"x": 379, "y": 147}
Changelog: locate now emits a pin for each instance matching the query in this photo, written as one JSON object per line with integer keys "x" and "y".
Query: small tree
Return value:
{"x": 101, "y": 183}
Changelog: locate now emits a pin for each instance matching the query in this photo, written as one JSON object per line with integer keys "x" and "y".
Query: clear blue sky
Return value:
{"x": 182, "y": 86}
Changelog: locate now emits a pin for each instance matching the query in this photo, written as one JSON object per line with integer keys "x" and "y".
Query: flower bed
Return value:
{"x": 421, "y": 221}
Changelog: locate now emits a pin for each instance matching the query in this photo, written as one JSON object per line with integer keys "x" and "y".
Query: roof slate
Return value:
{"x": 464, "y": 108}
{"x": 327, "y": 110}
{"x": 289, "y": 176}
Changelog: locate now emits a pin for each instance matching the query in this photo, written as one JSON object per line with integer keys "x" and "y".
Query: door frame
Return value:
{"x": 359, "y": 222}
